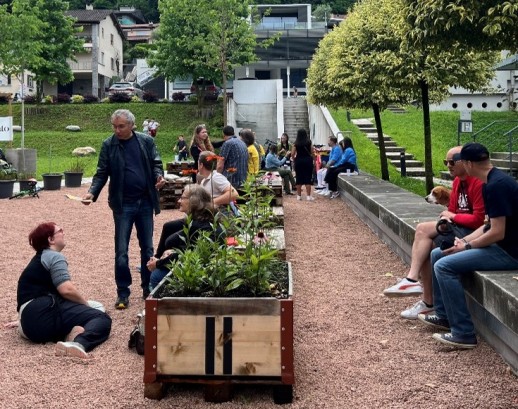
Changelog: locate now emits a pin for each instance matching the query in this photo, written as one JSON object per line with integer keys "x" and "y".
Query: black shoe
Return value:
{"x": 145, "y": 293}
{"x": 434, "y": 321}
{"x": 121, "y": 303}
{"x": 288, "y": 193}
{"x": 458, "y": 342}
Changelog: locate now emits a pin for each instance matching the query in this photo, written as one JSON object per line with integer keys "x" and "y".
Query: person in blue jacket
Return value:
{"x": 346, "y": 162}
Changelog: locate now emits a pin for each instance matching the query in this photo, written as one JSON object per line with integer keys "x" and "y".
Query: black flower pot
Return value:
{"x": 6, "y": 188}
{"x": 73, "y": 179}
{"x": 52, "y": 181}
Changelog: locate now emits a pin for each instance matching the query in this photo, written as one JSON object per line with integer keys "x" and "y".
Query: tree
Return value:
{"x": 357, "y": 64}
{"x": 482, "y": 24}
{"x": 209, "y": 43}
{"x": 59, "y": 44}
{"x": 373, "y": 62}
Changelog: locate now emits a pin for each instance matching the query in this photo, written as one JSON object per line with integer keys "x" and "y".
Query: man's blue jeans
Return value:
{"x": 140, "y": 214}
{"x": 448, "y": 294}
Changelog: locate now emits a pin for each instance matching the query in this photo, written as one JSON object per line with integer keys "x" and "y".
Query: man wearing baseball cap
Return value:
{"x": 492, "y": 247}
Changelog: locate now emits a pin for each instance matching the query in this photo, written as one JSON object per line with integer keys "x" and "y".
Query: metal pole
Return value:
{"x": 402, "y": 159}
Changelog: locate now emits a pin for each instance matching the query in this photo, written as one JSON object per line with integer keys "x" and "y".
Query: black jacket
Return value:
{"x": 111, "y": 164}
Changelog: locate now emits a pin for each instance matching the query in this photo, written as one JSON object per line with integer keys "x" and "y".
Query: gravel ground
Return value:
{"x": 351, "y": 348}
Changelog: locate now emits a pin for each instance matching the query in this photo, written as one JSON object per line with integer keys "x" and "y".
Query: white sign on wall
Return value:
{"x": 6, "y": 128}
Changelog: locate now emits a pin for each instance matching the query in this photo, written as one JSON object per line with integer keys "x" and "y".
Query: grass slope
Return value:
{"x": 46, "y": 132}
{"x": 407, "y": 131}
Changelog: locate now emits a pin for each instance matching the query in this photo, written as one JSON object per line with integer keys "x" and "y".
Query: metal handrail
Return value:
{"x": 474, "y": 136}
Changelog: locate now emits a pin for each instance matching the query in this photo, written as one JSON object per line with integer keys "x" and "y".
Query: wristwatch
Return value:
{"x": 467, "y": 246}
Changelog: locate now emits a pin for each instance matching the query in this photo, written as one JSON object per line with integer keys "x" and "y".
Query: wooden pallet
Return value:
{"x": 177, "y": 168}
{"x": 172, "y": 191}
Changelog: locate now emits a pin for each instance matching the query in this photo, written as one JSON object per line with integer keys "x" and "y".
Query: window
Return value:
{"x": 102, "y": 32}
{"x": 29, "y": 81}
{"x": 8, "y": 80}
{"x": 111, "y": 39}
{"x": 102, "y": 59}
{"x": 112, "y": 64}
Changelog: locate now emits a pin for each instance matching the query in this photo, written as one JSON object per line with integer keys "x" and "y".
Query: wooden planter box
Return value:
{"x": 219, "y": 342}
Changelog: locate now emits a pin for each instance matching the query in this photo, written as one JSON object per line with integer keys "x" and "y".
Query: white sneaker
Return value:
{"x": 324, "y": 191}
{"x": 299, "y": 197}
{"x": 404, "y": 288}
{"x": 334, "y": 195}
{"x": 71, "y": 348}
{"x": 310, "y": 198}
{"x": 418, "y": 308}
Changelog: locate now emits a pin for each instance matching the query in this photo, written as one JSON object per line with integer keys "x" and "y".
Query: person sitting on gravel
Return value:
{"x": 50, "y": 308}
{"x": 466, "y": 210}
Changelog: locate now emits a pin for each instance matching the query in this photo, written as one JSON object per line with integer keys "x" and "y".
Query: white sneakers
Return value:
{"x": 404, "y": 288}
{"x": 310, "y": 198}
{"x": 299, "y": 197}
{"x": 74, "y": 349}
{"x": 418, "y": 308}
{"x": 324, "y": 192}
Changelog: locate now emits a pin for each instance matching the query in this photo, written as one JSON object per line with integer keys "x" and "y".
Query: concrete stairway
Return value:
{"x": 499, "y": 160}
{"x": 414, "y": 168}
{"x": 295, "y": 116}
{"x": 396, "y": 109}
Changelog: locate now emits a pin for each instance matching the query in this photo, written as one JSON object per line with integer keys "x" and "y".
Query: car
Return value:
{"x": 211, "y": 90}
{"x": 129, "y": 88}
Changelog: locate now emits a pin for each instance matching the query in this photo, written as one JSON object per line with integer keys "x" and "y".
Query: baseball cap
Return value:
{"x": 474, "y": 152}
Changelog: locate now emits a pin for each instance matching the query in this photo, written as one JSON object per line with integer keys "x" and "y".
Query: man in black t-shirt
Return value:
{"x": 492, "y": 247}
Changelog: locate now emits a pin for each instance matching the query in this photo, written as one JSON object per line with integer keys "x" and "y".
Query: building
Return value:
{"x": 10, "y": 84}
{"x": 101, "y": 59}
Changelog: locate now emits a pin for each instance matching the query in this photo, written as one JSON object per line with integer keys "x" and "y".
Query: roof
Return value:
{"x": 95, "y": 16}
{"x": 509, "y": 64}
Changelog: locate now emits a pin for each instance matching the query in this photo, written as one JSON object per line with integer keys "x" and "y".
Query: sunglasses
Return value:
{"x": 58, "y": 231}
{"x": 449, "y": 162}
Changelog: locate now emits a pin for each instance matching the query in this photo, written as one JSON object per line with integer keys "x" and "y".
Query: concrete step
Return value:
{"x": 368, "y": 130}
{"x": 504, "y": 163}
{"x": 374, "y": 137}
{"x": 362, "y": 122}
{"x": 445, "y": 175}
{"x": 411, "y": 172}
{"x": 409, "y": 163}
{"x": 397, "y": 156}
{"x": 387, "y": 143}
{"x": 394, "y": 149}
{"x": 504, "y": 155}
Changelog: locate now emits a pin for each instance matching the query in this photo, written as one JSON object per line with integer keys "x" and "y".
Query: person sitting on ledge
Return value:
{"x": 196, "y": 203}
{"x": 466, "y": 210}
{"x": 492, "y": 247}
{"x": 50, "y": 308}
{"x": 273, "y": 163}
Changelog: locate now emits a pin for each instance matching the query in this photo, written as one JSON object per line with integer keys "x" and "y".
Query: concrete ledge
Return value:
{"x": 393, "y": 214}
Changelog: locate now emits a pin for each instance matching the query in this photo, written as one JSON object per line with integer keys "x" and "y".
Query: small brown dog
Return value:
{"x": 439, "y": 195}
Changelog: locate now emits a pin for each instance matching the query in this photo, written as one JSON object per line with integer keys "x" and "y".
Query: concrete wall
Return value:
{"x": 322, "y": 125}
{"x": 258, "y": 105}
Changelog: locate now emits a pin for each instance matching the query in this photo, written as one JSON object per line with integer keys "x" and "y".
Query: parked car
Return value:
{"x": 129, "y": 88}
{"x": 211, "y": 90}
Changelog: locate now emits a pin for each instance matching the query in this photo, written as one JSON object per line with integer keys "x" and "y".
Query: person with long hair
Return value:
{"x": 346, "y": 162}
{"x": 302, "y": 155}
{"x": 197, "y": 203}
{"x": 200, "y": 142}
{"x": 50, "y": 308}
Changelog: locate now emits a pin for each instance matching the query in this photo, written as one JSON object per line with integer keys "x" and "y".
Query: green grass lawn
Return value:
{"x": 46, "y": 132}
{"x": 407, "y": 131}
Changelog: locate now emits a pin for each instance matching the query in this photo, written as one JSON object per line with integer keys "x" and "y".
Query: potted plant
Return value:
{"x": 7, "y": 179}
{"x": 224, "y": 313}
{"x": 74, "y": 174}
{"x": 51, "y": 181}
{"x": 24, "y": 179}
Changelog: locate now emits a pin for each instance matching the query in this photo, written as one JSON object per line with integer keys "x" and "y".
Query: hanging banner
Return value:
{"x": 6, "y": 128}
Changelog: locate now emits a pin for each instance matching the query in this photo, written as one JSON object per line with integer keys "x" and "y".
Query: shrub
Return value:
{"x": 4, "y": 99}
{"x": 119, "y": 97}
{"x": 105, "y": 100}
{"x": 193, "y": 98}
{"x": 49, "y": 99}
{"x": 29, "y": 99}
{"x": 150, "y": 96}
{"x": 63, "y": 99}
{"x": 163, "y": 101}
{"x": 89, "y": 98}
{"x": 77, "y": 99}
{"x": 135, "y": 98}
{"x": 178, "y": 96}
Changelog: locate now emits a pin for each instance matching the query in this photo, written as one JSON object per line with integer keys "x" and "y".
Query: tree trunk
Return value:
{"x": 39, "y": 92}
{"x": 225, "y": 99}
{"x": 381, "y": 143}
{"x": 428, "y": 168}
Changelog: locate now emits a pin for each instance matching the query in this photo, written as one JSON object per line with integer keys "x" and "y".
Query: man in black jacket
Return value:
{"x": 131, "y": 161}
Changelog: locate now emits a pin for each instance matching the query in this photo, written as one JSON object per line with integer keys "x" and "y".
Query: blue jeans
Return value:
{"x": 448, "y": 294}
{"x": 157, "y": 275}
{"x": 140, "y": 214}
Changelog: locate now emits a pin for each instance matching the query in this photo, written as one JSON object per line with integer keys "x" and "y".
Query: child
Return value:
{"x": 181, "y": 147}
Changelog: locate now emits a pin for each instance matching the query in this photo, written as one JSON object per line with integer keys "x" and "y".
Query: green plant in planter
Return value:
{"x": 251, "y": 268}
{"x": 9, "y": 173}
{"x": 76, "y": 166}
{"x": 26, "y": 175}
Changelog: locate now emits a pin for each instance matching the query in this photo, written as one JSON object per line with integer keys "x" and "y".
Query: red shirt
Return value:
{"x": 467, "y": 202}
